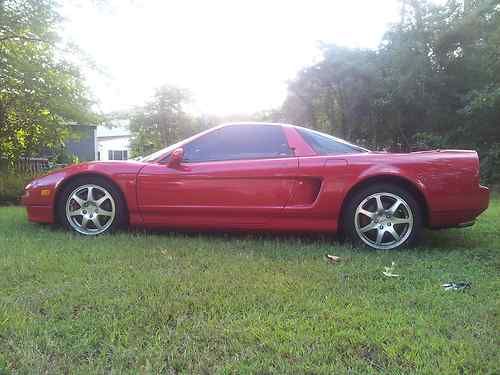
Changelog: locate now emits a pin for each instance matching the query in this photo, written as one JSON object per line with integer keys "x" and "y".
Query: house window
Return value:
{"x": 117, "y": 154}
{"x": 98, "y": 155}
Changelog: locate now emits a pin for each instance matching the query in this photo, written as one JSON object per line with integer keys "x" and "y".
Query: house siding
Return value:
{"x": 84, "y": 147}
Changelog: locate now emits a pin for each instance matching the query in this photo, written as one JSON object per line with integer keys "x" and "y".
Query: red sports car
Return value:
{"x": 259, "y": 176}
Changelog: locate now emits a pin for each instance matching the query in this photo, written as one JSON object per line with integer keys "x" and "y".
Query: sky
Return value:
{"x": 234, "y": 56}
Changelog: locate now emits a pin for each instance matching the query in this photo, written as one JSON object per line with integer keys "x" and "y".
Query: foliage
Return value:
{"x": 161, "y": 122}
{"x": 245, "y": 304}
{"x": 434, "y": 81}
{"x": 12, "y": 186}
{"x": 490, "y": 164}
{"x": 62, "y": 155}
{"x": 40, "y": 92}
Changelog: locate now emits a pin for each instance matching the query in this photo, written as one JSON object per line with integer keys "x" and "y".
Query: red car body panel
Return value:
{"x": 303, "y": 192}
{"x": 233, "y": 193}
{"x": 124, "y": 174}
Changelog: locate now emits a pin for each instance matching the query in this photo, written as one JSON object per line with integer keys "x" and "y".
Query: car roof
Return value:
{"x": 340, "y": 140}
{"x": 256, "y": 123}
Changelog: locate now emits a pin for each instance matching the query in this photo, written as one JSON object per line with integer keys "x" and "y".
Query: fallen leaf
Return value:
{"x": 389, "y": 271}
{"x": 333, "y": 258}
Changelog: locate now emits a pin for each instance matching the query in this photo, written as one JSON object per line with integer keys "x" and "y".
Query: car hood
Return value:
{"x": 105, "y": 168}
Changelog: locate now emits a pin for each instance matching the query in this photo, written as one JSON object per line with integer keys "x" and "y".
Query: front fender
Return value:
{"x": 44, "y": 191}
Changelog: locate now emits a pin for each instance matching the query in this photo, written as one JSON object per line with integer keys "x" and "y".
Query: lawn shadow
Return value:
{"x": 299, "y": 243}
{"x": 238, "y": 234}
{"x": 442, "y": 241}
{"x": 448, "y": 240}
{"x": 274, "y": 244}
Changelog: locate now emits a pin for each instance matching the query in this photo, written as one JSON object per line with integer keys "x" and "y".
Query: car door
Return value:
{"x": 234, "y": 176}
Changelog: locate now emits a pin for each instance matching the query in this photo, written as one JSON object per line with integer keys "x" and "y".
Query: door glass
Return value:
{"x": 239, "y": 142}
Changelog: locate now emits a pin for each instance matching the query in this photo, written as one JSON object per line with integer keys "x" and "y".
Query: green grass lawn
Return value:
{"x": 200, "y": 303}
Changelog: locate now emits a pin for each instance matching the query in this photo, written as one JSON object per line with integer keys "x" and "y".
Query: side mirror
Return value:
{"x": 176, "y": 158}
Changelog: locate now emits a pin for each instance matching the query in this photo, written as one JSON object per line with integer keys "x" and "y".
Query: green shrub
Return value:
{"x": 428, "y": 141}
{"x": 490, "y": 165}
{"x": 12, "y": 186}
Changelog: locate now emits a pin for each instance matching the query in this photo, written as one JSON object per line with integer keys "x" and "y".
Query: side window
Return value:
{"x": 324, "y": 145}
{"x": 239, "y": 142}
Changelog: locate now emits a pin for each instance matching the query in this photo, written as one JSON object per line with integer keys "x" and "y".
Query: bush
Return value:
{"x": 490, "y": 165}
{"x": 12, "y": 186}
{"x": 428, "y": 141}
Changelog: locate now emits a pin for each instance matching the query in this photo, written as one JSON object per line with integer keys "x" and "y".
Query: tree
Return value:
{"x": 336, "y": 95}
{"x": 40, "y": 92}
{"x": 162, "y": 121}
{"x": 433, "y": 82}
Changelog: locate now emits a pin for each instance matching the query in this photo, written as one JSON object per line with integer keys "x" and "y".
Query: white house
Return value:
{"x": 113, "y": 143}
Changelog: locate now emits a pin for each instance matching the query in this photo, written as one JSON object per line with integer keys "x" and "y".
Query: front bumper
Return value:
{"x": 38, "y": 210}
{"x": 40, "y": 214}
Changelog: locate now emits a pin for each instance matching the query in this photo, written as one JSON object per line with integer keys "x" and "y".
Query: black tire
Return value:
{"x": 407, "y": 238}
{"x": 120, "y": 218}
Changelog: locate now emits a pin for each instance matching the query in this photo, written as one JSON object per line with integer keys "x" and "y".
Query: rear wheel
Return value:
{"x": 91, "y": 206}
{"x": 383, "y": 217}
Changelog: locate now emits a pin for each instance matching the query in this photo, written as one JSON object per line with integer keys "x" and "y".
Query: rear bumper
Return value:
{"x": 464, "y": 215}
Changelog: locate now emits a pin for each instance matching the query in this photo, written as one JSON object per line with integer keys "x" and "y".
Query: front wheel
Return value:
{"x": 91, "y": 206}
{"x": 383, "y": 217}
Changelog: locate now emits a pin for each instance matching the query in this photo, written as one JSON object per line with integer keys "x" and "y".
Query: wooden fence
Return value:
{"x": 31, "y": 166}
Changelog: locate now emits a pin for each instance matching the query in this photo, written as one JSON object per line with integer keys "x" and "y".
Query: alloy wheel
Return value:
{"x": 383, "y": 220}
{"x": 90, "y": 209}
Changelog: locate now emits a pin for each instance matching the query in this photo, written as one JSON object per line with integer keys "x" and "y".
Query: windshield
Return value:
{"x": 163, "y": 151}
